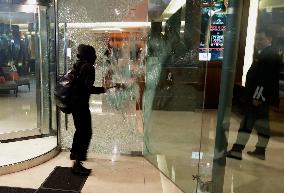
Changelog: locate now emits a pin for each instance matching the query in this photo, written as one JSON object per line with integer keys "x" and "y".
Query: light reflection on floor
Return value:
{"x": 172, "y": 148}
{"x": 18, "y": 113}
{"x": 174, "y": 138}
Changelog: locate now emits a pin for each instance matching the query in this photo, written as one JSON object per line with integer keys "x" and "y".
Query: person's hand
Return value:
{"x": 256, "y": 103}
{"x": 120, "y": 85}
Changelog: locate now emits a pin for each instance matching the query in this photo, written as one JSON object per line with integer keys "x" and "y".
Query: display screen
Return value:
{"x": 212, "y": 30}
{"x": 217, "y": 32}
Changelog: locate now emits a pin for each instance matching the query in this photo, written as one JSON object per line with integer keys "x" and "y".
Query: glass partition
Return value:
{"x": 27, "y": 75}
{"x": 255, "y": 150}
{"x": 184, "y": 60}
{"x": 185, "y": 65}
{"x": 213, "y": 103}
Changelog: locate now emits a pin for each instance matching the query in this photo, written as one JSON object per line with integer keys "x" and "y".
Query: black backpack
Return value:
{"x": 65, "y": 91}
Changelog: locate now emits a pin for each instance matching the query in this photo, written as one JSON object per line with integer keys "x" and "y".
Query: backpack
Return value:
{"x": 65, "y": 91}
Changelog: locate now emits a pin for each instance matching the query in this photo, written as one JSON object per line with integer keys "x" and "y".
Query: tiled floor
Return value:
{"x": 174, "y": 152}
{"x": 121, "y": 174}
{"x": 174, "y": 142}
{"x": 174, "y": 139}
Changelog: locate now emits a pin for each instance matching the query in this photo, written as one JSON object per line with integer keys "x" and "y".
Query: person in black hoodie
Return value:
{"x": 261, "y": 90}
{"x": 81, "y": 113}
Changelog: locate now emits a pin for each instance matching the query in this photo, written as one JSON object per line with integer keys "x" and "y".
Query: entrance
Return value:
{"x": 27, "y": 75}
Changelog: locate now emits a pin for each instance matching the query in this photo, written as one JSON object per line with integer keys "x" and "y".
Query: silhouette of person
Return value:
{"x": 261, "y": 91}
{"x": 166, "y": 90}
{"x": 107, "y": 76}
{"x": 81, "y": 113}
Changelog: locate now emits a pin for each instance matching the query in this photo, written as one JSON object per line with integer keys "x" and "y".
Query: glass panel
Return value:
{"x": 18, "y": 87}
{"x": 256, "y": 143}
{"x": 116, "y": 115}
{"x": 27, "y": 74}
{"x": 185, "y": 52}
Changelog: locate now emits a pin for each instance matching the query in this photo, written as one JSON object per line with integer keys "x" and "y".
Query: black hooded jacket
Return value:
{"x": 85, "y": 81}
{"x": 264, "y": 72}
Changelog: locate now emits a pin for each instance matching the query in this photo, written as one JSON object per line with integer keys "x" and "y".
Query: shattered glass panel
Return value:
{"x": 87, "y": 11}
{"x": 116, "y": 115}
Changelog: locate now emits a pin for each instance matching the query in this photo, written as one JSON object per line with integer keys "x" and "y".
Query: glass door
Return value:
{"x": 27, "y": 71}
{"x": 183, "y": 75}
{"x": 255, "y": 140}
{"x": 18, "y": 64}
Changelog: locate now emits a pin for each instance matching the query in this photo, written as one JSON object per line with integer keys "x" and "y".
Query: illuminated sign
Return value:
{"x": 217, "y": 33}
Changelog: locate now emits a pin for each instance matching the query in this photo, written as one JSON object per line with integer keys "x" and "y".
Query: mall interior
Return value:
{"x": 187, "y": 68}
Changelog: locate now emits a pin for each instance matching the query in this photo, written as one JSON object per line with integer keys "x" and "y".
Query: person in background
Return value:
{"x": 108, "y": 71}
{"x": 261, "y": 91}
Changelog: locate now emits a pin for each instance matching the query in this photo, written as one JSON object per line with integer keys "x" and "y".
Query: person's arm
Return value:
{"x": 97, "y": 90}
{"x": 88, "y": 74}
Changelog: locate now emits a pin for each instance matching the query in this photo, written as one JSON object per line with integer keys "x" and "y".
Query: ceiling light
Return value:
{"x": 31, "y": 2}
{"x": 173, "y": 7}
{"x": 28, "y": 8}
{"x": 108, "y": 25}
{"x": 107, "y": 29}
{"x": 182, "y": 23}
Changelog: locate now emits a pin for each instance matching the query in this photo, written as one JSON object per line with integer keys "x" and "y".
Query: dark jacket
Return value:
{"x": 264, "y": 72}
{"x": 86, "y": 79}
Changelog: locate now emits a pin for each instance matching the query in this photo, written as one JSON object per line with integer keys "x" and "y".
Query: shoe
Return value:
{"x": 80, "y": 170}
{"x": 74, "y": 156}
{"x": 257, "y": 154}
{"x": 234, "y": 154}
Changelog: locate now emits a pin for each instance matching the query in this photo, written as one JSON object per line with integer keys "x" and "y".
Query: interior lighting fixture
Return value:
{"x": 173, "y": 7}
{"x": 28, "y": 8}
{"x": 107, "y": 29}
{"x": 182, "y": 23}
{"x": 116, "y": 11}
{"x": 108, "y": 25}
{"x": 31, "y": 2}
{"x": 250, "y": 39}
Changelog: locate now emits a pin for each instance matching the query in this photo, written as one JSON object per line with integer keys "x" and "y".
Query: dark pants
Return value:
{"x": 83, "y": 134}
{"x": 258, "y": 118}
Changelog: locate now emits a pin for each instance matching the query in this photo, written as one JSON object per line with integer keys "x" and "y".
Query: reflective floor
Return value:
{"x": 135, "y": 174}
{"x": 174, "y": 146}
{"x": 252, "y": 175}
{"x": 247, "y": 176}
{"x": 18, "y": 113}
{"x": 122, "y": 174}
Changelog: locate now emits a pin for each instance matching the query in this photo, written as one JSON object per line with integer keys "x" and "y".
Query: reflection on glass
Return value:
{"x": 17, "y": 73}
{"x": 256, "y": 133}
{"x": 180, "y": 101}
{"x": 24, "y": 61}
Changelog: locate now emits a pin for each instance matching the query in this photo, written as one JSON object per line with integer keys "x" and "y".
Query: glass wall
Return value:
{"x": 185, "y": 55}
{"x": 185, "y": 64}
{"x": 213, "y": 104}
{"x": 27, "y": 76}
{"x": 255, "y": 140}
